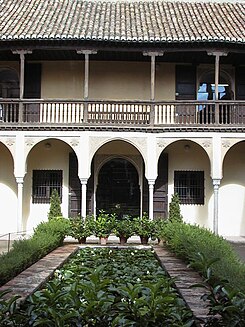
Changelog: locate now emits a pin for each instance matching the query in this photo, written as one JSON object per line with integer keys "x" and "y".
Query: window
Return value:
{"x": 190, "y": 186}
{"x": 44, "y": 182}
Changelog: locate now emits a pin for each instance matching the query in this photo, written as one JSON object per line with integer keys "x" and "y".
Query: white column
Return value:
{"x": 216, "y": 184}
{"x": 84, "y": 197}
{"x": 20, "y": 181}
{"x": 151, "y": 183}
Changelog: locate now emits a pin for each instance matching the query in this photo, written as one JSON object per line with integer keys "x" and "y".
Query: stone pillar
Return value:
{"x": 151, "y": 183}
{"x": 20, "y": 182}
{"x": 84, "y": 197}
{"x": 216, "y": 184}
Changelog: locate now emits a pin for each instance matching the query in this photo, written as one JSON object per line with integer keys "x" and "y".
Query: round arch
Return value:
{"x": 109, "y": 140}
{"x": 232, "y": 192}
{"x": 48, "y": 167}
{"x": 8, "y": 191}
{"x": 118, "y": 188}
{"x": 189, "y": 166}
{"x": 206, "y": 86}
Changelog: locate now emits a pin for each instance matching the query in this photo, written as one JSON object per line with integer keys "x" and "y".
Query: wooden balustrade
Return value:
{"x": 144, "y": 113}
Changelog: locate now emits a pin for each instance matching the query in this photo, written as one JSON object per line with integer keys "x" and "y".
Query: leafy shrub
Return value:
{"x": 104, "y": 224}
{"x": 47, "y": 236}
{"x": 80, "y": 228}
{"x": 107, "y": 288}
{"x": 187, "y": 241}
{"x": 124, "y": 227}
{"x": 174, "y": 209}
{"x": 55, "y": 208}
{"x": 143, "y": 226}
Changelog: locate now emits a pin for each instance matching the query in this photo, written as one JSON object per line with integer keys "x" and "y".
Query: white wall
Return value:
{"x": 193, "y": 159}
{"x": 232, "y": 193}
{"x": 56, "y": 157}
{"x": 8, "y": 193}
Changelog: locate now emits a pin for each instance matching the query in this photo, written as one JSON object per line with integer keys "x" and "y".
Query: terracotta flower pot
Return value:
{"x": 144, "y": 239}
{"x": 82, "y": 240}
{"x": 103, "y": 240}
{"x": 123, "y": 240}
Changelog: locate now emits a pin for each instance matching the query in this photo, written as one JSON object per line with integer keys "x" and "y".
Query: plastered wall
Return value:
{"x": 232, "y": 193}
{"x": 8, "y": 192}
{"x": 107, "y": 80}
{"x": 55, "y": 157}
{"x": 193, "y": 159}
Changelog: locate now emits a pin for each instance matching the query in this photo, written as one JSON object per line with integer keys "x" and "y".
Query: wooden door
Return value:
{"x": 74, "y": 187}
{"x": 160, "y": 195}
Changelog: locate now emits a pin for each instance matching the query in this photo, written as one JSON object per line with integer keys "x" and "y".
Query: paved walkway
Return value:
{"x": 35, "y": 276}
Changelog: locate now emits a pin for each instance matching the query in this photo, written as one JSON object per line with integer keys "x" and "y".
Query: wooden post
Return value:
{"x": 217, "y": 55}
{"x": 86, "y": 54}
{"x": 153, "y": 56}
{"x": 22, "y": 54}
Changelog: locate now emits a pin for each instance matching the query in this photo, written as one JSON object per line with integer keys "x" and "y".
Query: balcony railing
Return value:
{"x": 101, "y": 112}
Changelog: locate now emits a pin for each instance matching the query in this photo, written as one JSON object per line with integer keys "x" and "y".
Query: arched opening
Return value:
{"x": 206, "y": 88}
{"x": 232, "y": 192}
{"x": 118, "y": 188}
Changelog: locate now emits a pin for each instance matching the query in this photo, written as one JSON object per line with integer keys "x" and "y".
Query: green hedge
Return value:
{"x": 200, "y": 247}
{"x": 47, "y": 237}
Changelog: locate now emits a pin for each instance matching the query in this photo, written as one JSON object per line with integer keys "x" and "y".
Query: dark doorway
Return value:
{"x": 160, "y": 198}
{"x": 118, "y": 188}
{"x": 74, "y": 187}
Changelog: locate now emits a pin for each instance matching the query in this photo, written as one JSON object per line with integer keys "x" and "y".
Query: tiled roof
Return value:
{"x": 123, "y": 21}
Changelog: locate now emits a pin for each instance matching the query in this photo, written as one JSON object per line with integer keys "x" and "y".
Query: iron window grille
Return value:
{"x": 190, "y": 186}
{"x": 43, "y": 184}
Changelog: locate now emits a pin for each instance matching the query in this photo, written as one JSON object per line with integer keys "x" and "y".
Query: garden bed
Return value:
{"x": 108, "y": 287}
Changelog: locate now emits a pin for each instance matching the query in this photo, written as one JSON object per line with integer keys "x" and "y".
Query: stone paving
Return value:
{"x": 36, "y": 275}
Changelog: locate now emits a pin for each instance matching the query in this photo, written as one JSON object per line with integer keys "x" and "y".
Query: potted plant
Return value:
{"x": 81, "y": 228}
{"x": 124, "y": 229}
{"x": 159, "y": 229}
{"x": 144, "y": 227}
{"x": 104, "y": 225}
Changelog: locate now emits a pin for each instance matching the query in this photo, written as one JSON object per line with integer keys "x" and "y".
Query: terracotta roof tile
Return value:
{"x": 124, "y": 21}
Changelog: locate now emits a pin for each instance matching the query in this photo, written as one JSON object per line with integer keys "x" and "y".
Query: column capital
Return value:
{"x": 216, "y": 182}
{"x": 86, "y": 52}
{"x": 151, "y": 182}
{"x": 19, "y": 180}
{"x": 84, "y": 181}
{"x": 153, "y": 53}
{"x": 217, "y": 53}
{"x": 22, "y": 52}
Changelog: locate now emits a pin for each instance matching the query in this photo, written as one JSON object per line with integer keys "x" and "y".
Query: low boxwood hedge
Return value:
{"x": 200, "y": 247}
{"x": 47, "y": 236}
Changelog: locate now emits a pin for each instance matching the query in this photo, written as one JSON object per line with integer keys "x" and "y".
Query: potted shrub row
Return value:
{"x": 106, "y": 224}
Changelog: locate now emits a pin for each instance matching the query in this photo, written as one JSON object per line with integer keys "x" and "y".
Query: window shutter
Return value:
{"x": 240, "y": 83}
{"x": 32, "y": 87}
{"x": 185, "y": 82}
